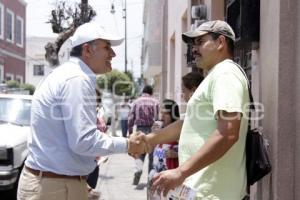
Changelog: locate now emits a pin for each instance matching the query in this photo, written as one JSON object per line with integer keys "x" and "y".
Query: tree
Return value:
{"x": 64, "y": 21}
{"x": 129, "y": 74}
{"x": 136, "y": 84}
{"x": 117, "y": 83}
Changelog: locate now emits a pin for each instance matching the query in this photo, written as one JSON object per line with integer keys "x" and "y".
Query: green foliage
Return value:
{"x": 13, "y": 84}
{"x": 116, "y": 82}
{"x": 130, "y": 75}
{"x": 29, "y": 87}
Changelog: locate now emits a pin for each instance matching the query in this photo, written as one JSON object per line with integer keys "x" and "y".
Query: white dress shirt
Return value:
{"x": 64, "y": 137}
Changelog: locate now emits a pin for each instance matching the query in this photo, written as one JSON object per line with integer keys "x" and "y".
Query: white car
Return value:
{"x": 14, "y": 130}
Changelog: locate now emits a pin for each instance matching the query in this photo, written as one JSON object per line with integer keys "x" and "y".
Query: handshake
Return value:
{"x": 138, "y": 144}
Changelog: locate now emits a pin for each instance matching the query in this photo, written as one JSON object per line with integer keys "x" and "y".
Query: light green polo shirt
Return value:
{"x": 224, "y": 88}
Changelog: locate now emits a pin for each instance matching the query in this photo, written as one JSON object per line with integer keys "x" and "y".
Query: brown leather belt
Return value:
{"x": 53, "y": 175}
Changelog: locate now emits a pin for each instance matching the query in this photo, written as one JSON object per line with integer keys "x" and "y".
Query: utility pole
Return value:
{"x": 125, "y": 19}
{"x": 125, "y": 28}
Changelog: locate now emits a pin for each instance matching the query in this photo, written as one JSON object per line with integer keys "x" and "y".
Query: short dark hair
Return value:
{"x": 77, "y": 51}
{"x": 148, "y": 89}
{"x": 192, "y": 80}
{"x": 172, "y": 108}
{"x": 230, "y": 42}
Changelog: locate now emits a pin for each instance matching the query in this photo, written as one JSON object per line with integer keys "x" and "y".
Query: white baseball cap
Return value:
{"x": 91, "y": 31}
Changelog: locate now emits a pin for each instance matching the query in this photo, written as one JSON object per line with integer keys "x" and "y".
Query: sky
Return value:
{"x": 38, "y": 13}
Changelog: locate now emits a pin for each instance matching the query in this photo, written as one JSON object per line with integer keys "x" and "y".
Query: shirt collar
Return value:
{"x": 145, "y": 95}
{"x": 85, "y": 68}
{"x": 214, "y": 67}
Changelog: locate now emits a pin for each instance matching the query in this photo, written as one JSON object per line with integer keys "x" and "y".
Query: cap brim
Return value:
{"x": 116, "y": 42}
{"x": 188, "y": 37}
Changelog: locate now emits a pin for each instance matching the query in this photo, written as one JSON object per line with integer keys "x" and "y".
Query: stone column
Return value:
{"x": 278, "y": 56}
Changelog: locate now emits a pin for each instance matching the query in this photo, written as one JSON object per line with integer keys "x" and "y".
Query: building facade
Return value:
{"x": 12, "y": 40}
{"x": 37, "y": 67}
{"x": 161, "y": 25}
{"x": 267, "y": 47}
{"x": 152, "y": 40}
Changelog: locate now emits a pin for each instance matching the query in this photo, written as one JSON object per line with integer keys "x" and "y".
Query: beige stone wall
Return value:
{"x": 279, "y": 62}
{"x": 152, "y": 60}
{"x": 269, "y": 49}
{"x": 297, "y": 102}
{"x": 215, "y": 9}
{"x": 178, "y": 22}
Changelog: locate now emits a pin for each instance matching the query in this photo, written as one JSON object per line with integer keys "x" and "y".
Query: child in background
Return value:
{"x": 165, "y": 156}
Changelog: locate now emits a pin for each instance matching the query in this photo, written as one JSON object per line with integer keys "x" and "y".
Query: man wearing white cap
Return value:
{"x": 64, "y": 138}
{"x": 213, "y": 134}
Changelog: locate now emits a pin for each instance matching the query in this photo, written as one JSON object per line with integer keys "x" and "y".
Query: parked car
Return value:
{"x": 3, "y": 88}
{"x": 14, "y": 130}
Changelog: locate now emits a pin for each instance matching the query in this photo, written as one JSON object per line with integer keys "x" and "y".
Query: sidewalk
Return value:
{"x": 116, "y": 176}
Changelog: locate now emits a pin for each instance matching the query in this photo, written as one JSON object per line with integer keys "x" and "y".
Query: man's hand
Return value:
{"x": 146, "y": 139}
{"x": 136, "y": 146}
{"x": 167, "y": 180}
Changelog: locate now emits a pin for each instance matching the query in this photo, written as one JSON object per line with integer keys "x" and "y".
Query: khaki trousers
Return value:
{"x": 32, "y": 187}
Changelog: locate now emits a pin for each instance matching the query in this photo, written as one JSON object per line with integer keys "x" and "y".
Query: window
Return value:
{"x": 1, "y": 21}
{"x": 10, "y": 26}
{"x": 9, "y": 77}
{"x": 38, "y": 70}
{"x": 19, "y": 31}
{"x": 19, "y": 78}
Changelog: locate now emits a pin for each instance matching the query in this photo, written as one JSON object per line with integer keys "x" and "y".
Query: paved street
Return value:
{"x": 115, "y": 180}
{"x": 116, "y": 176}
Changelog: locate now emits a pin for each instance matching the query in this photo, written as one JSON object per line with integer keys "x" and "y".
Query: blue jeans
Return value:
{"x": 124, "y": 127}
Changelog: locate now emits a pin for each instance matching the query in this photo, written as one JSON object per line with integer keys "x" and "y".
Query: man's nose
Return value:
{"x": 113, "y": 54}
{"x": 194, "y": 49}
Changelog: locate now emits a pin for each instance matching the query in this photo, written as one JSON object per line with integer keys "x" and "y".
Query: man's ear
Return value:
{"x": 222, "y": 42}
{"x": 87, "y": 50}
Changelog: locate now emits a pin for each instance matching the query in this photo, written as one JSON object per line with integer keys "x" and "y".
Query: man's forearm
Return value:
{"x": 168, "y": 134}
{"x": 214, "y": 148}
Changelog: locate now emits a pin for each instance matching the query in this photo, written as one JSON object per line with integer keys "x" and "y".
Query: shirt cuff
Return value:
{"x": 120, "y": 144}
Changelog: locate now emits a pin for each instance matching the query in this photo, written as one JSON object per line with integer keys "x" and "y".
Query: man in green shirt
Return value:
{"x": 213, "y": 134}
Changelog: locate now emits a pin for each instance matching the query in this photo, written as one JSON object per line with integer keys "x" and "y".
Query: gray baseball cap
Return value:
{"x": 217, "y": 26}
